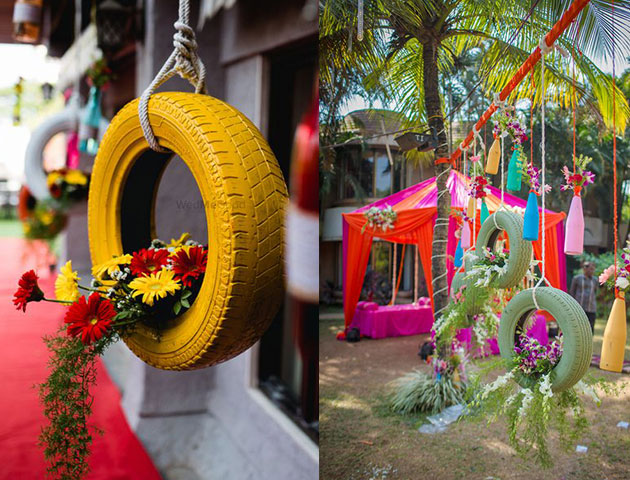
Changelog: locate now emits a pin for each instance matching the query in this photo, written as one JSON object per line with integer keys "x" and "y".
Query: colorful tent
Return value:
{"x": 416, "y": 207}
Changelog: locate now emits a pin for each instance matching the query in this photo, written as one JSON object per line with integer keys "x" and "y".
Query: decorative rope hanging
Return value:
{"x": 545, "y": 49}
{"x": 183, "y": 61}
{"x": 613, "y": 345}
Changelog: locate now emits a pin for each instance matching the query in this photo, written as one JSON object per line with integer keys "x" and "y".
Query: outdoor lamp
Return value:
{"x": 114, "y": 22}
{"x": 47, "y": 90}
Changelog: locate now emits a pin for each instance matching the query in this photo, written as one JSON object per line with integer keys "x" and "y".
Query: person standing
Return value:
{"x": 584, "y": 290}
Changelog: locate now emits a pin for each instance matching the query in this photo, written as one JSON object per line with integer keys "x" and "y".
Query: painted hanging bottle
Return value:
{"x": 531, "y": 218}
{"x": 574, "y": 233}
{"x": 614, "y": 343}
{"x": 459, "y": 254}
{"x": 88, "y": 129}
{"x": 514, "y": 172}
{"x": 465, "y": 239}
{"x": 485, "y": 213}
{"x": 494, "y": 157}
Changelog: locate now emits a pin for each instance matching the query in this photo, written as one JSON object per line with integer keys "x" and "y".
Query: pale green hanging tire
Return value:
{"x": 576, "y": 331}
{"x": 520, "y": 250}
{"x": 472, "y": 304}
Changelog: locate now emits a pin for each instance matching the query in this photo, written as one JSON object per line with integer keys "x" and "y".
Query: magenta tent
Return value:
{"x": 416, "y": 207}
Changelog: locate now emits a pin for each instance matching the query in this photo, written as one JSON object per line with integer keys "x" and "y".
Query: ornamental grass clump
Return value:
{"x": 417, "y": 392}
{"x": 151, "y": 286}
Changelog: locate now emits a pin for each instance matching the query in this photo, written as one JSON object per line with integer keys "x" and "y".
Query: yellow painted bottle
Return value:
{"x": 494, "y": 156}
{"x": 614, "y": 343}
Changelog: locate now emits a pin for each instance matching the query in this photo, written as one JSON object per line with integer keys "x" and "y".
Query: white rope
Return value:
{"x": 477, "y": 136}
{"x": 543, "y": 167}
{"x": 498, "y": 102}
{"x": 183, "y": 61}
{"x": 438, "y": 223}
{"x": 544, "y": 48}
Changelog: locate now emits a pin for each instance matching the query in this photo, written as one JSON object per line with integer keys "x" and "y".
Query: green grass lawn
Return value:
{"x": 10, "y": 228}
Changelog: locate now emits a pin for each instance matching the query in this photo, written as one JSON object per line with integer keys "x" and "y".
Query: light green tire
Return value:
{"x": 520, "y": 250}
{"x": 471, "y": 303}
{"x": 577, "y": 341}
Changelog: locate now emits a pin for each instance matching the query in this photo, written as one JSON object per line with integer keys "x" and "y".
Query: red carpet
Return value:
{"x": 117, "y": 454}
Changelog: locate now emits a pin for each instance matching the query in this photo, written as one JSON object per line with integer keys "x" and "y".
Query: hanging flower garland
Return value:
{"x": 380, "y": 218}
{"x": 152, "y": 285}
{"x": 581, "y": 177}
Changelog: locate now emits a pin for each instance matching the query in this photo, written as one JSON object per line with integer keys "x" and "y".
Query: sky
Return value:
{"x": 29, "y": 62}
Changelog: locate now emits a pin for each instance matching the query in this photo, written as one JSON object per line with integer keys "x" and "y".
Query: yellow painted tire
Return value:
{"x": 244, "y": 196}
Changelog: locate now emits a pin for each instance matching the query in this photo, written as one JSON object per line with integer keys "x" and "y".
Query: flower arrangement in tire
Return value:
{"x": 68, "y": 186}
{"x": 152, "y": 285}
{"x": 543, "y": 386}
{"x": 40, "y": 219}
{"x": 244, "y": 198}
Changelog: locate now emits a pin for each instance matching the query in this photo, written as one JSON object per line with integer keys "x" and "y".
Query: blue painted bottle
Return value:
{"x": 531, "y": 220}
{"x": 459, "y": 255}
{"x": 514, "y": 173}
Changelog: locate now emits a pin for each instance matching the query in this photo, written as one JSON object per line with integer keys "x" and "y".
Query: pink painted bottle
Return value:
{"x": 465, "y": 239}
{"x": 574, "y": 233}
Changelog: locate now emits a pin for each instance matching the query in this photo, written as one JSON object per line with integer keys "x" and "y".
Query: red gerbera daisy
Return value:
{"x": 28, "y": 290}
{"x": 189, "y": 264}
{"x": 90, "y": 319}
{"x": 148, "y": 261}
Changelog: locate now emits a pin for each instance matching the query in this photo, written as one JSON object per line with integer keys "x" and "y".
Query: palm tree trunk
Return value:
{"x": 436, "y": 121}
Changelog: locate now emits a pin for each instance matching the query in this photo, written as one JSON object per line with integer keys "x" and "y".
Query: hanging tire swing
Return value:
{"x": 64, "y": 121}
{"x": 520, "y": 250}
{"x": 577, "y": 347}
{"x": 244, "y": 197}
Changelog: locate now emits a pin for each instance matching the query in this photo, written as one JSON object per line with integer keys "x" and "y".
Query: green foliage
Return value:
{"x": 531, "y": 413}
{"x": 68, "y": 404}
{"x": 417, "y": 392}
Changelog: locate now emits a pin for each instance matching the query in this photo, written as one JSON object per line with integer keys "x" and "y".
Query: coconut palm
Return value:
{"x": 409, "y": 44}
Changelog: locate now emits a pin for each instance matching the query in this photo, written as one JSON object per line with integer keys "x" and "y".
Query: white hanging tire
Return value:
{"x": 64, "y": 121}
{"x": 576, "y": 331}
{"x": 520, "y": 250}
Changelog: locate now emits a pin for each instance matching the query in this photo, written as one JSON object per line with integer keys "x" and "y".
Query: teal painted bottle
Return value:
{"x": 514, "y": 173}
{"x": 485, "y": 213}
{"x": 531, "y": 219}
{"x": 88, "y": 130}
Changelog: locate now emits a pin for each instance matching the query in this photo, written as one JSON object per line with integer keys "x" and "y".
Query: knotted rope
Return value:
{"x": 544, "y": 52}
{"x": 183, "y": 61}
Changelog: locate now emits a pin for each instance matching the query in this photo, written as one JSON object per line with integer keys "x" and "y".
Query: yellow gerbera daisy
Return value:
{"x": 76, "y": 177}
{"x": 53, "y": 177}
{"x": 155, "y": 286}
{"x": 181, "y": 247}
{"x": 47, "y": 218}
{"x": 110, "y": 266}
{"x": 180, "y": 241}
{"x": 67, "y": 284}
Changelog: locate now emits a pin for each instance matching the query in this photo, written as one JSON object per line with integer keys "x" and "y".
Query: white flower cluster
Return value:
{"x": 442, "y": 322}
{"x": 585, "y": 389}
{"x": 121, "y": 274}
{"x": 485, "y": 274}
{"x": 528, "y": 395}
{"x": 498, "y": 383}
{"x": 382, "y": 218}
